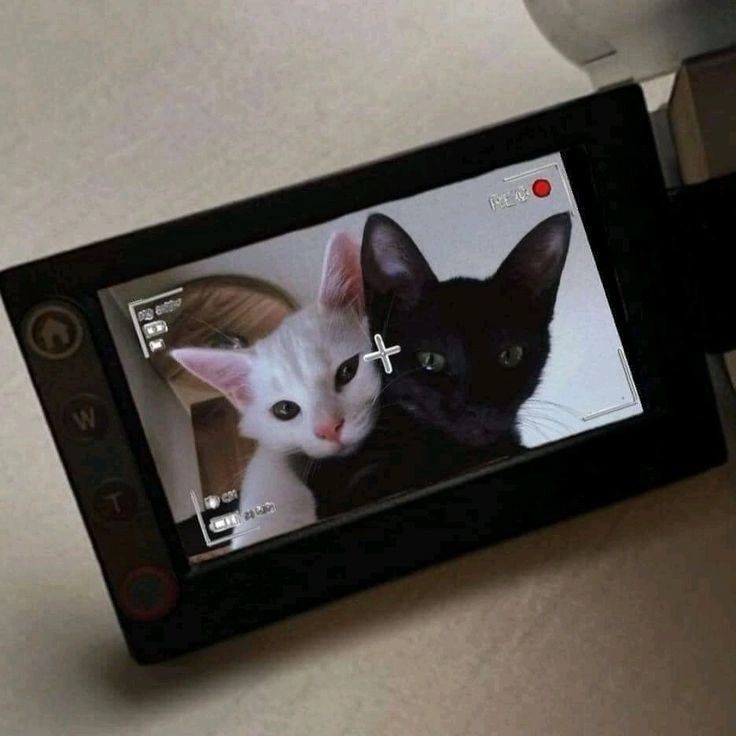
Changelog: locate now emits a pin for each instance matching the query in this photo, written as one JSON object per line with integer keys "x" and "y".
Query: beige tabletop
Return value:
{"x": 121, "y": 114}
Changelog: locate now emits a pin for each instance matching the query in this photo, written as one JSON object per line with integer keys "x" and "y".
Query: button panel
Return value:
{"x": 99, "y": 462}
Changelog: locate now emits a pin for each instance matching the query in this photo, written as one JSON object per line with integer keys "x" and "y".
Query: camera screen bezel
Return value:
{"x": 611, "y": 162}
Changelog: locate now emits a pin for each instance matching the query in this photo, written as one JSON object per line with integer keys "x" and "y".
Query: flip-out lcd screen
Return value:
{"x": 409, "y": 344}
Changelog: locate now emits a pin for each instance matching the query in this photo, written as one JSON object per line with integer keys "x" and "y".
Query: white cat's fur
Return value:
{"x": 297, "y": 362}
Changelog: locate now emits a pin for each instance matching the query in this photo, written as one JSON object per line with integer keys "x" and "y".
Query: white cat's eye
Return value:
{"x": 432, "y": 362}
{"x": 285, "y": 410}
{"x": 511, "y": 356}
{"x": 346, "y": 371}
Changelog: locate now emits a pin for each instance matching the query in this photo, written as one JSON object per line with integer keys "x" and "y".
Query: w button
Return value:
{"x": 85, "y": 418}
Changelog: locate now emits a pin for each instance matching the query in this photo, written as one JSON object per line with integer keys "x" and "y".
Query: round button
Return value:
{"x": 541, "y": 188}
{"x": 148, "y": 593}
{"x": 115, "y": 501}
{"x": 54, "y": 331}
{"x": 85, "y": 418}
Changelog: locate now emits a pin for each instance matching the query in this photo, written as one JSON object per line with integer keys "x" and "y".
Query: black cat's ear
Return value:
{"x": 391, "y": 262}
{"x": 534, "y": 266}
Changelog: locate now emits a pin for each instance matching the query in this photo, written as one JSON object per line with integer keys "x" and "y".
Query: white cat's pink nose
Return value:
{"x": 330, "y": 430}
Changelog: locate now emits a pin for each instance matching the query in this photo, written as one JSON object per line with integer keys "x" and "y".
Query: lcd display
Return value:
{"x": 409, "y": 344}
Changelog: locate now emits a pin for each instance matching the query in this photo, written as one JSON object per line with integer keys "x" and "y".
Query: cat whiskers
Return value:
{"x": 540, "y": 422}
{"x": 554, "y": 404}
{"x": 539, "y": 416}
{"x": 236, "y": 479}
{"x": 361, "y": 322}
{"x": 234, "y": 482}
{"x": 307, "y": 470}
{"x": 227, "y": 337}
{"x": 394, "y": 380}
{"x": 538, "y": 410}
{"x": 388, "y": 314}
{"x": 527, "y": 421}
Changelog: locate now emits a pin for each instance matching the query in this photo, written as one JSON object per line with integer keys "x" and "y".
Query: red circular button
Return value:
{"x": 148, "y": 593}
{"x": 541, "y": 188}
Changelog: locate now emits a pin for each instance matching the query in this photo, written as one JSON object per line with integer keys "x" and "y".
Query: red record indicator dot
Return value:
{"x": 541, "y": 188}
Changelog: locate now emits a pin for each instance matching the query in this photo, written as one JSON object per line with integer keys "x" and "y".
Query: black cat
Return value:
{"x": 472, "y": 352}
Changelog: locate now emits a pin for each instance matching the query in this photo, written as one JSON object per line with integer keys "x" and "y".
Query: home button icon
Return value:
{"x": 54, "y": 331}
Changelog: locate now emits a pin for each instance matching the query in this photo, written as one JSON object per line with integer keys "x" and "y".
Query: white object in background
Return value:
{"x": 630, "y": 39}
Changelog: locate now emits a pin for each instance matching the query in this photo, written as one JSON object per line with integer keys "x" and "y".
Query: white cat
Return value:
{"x": 302, "y": 389}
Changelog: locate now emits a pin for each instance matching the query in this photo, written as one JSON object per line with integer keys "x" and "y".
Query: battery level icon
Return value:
{"x": 149, "y": 317}
{"x": 224, "y": 522}
{"x": 154, "y": 329}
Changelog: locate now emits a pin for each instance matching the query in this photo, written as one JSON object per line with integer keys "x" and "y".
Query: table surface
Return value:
{"x": 118, "y": 115}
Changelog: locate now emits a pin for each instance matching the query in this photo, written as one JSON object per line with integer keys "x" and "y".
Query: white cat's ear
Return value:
{"x": 392, "y": 263}
{"x": 228, "y": 371}
{"x": 342, "y": 280}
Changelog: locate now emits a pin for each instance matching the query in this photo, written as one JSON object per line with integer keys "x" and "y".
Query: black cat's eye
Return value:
{"x": 432, "y": 362}
{"x": 346, "y": 371}
{"x": 285, "y": 410}
{"x": 511, "y": 356}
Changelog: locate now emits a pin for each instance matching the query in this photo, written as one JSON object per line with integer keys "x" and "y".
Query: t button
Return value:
{"x": 115, "y": 501}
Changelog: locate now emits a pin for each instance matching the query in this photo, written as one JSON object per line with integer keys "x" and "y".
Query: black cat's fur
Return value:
{"x": 489, "y": 341}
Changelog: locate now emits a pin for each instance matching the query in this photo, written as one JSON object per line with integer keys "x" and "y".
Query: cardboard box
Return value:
{"x": 702, "y": 113}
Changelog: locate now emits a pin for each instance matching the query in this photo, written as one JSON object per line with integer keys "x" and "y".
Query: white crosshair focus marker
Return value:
{"x": 383, "y": 353}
